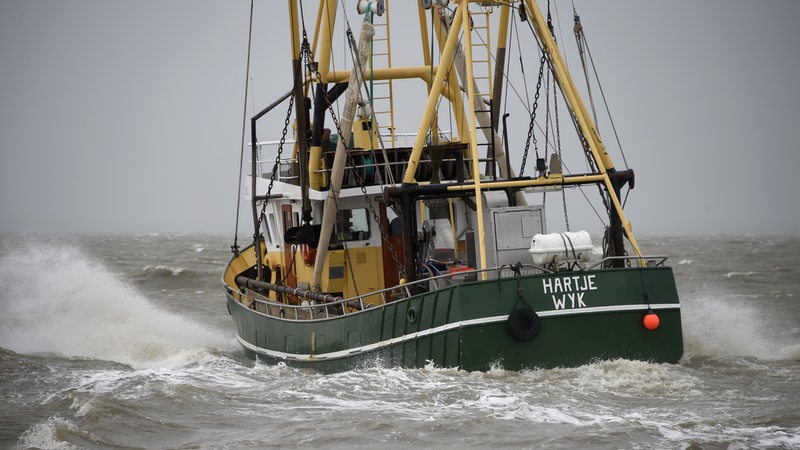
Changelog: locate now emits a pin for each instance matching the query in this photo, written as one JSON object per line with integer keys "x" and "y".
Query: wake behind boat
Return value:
{"x": 432, "y": 252}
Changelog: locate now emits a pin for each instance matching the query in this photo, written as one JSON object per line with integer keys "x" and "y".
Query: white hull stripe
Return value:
{"x": 442, "y": 328}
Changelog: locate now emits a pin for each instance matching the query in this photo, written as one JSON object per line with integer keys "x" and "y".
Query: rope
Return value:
{"x": 235, "y": 246}
{"x": 605, "y": 102}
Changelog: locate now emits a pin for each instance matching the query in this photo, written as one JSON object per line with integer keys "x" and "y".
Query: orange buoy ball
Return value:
{"x": 651, "y": 320}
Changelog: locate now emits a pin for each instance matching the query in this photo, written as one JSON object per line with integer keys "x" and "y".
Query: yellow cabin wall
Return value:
{"x": 364, "y": 270}
{"x": 367, "y": 265}
{"x": 365, "y": 138}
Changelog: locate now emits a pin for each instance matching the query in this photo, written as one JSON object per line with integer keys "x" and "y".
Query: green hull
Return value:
{"x": 583, "y": 316}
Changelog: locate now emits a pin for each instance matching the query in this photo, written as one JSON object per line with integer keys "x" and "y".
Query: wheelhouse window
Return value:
{"x": 266, "y": 231}
{"x": 271, "y": 227}
{"x": 352, "y": 225}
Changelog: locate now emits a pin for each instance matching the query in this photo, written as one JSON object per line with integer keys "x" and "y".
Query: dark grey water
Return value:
{"x": 124, "y": 341}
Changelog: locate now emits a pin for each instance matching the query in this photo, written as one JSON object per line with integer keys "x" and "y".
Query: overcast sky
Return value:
{"x": 127, "y": 115}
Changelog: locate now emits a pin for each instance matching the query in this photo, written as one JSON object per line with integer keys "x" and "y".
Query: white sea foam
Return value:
{"x": 44, "y": 434}
{"x": 55, "y": 299}
{"x": 175, "y": 271}
{"x": 715, "y": 435}
{"x": 622, "y": 376}
{"x": 740, "y": 274}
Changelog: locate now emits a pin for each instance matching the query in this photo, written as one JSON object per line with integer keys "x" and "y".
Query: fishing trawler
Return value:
{"x": 428, "y": 248}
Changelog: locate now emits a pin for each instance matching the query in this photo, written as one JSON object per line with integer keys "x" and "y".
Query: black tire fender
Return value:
{"x": 523, "y": 324}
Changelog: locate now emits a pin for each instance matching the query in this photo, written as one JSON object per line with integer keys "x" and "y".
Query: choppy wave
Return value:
{"x": 56, "y": 299}
{"x": 603, "y": 404}
{"x": 45, "y": 434}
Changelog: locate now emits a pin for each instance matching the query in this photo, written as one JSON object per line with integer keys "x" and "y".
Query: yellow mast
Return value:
{"x": 453, "y": 92}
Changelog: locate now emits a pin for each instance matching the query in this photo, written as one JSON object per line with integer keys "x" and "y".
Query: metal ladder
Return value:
{"x": 482, "y": 74}
{"x": 380, "y": 57}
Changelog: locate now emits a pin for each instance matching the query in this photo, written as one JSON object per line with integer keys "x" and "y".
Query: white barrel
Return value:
{"x": 567, "y": 247}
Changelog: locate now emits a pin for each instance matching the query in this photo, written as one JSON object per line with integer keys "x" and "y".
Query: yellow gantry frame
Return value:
{"x": 588, "y": 128}
{"x": 445, "y": 79}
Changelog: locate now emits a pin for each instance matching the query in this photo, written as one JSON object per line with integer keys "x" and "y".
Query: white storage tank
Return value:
{"x": 567, "y": 247}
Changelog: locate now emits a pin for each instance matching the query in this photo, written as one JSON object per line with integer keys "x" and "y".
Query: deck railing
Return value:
{"x": 353, "y": 305}
{"x": 307, "y": 311}
{"x": 648, "y": 261}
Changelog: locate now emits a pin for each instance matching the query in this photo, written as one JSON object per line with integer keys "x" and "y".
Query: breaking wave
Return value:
{"x": 56, "y": 299}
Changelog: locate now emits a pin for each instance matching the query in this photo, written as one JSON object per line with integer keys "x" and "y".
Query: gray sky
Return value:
{"x": 126, "y": 116}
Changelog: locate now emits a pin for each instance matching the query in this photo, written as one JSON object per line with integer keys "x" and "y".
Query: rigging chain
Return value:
{"x": 547, "y": 121}
{"x": 558, "y": 151}
{"x": 547, "y": 125}
{"x": 557, "y": 130}
{"x": 275, "y": 167}
{"x": 536, "y": 101}
{"x": 533, "y": 118}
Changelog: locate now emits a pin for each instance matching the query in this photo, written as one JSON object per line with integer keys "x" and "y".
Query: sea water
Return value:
{"x": 125, "y": 341}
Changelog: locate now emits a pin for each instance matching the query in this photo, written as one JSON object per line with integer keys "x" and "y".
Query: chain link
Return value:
{"x": 547, "y": 114}
{"x": 262, "y": 215}
{"x": 277, "y": 164}
{"x": 533, "y": 119}
{"x": 558, "y": 151}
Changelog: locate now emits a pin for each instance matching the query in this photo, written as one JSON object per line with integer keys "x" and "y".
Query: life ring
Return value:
{"x": 309, "y": 254}
{"x": 523, "y": 324}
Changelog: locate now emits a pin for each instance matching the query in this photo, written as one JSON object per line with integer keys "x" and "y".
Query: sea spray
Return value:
{"x": 56, "y": 299}
{"x": 717, "y": 326}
